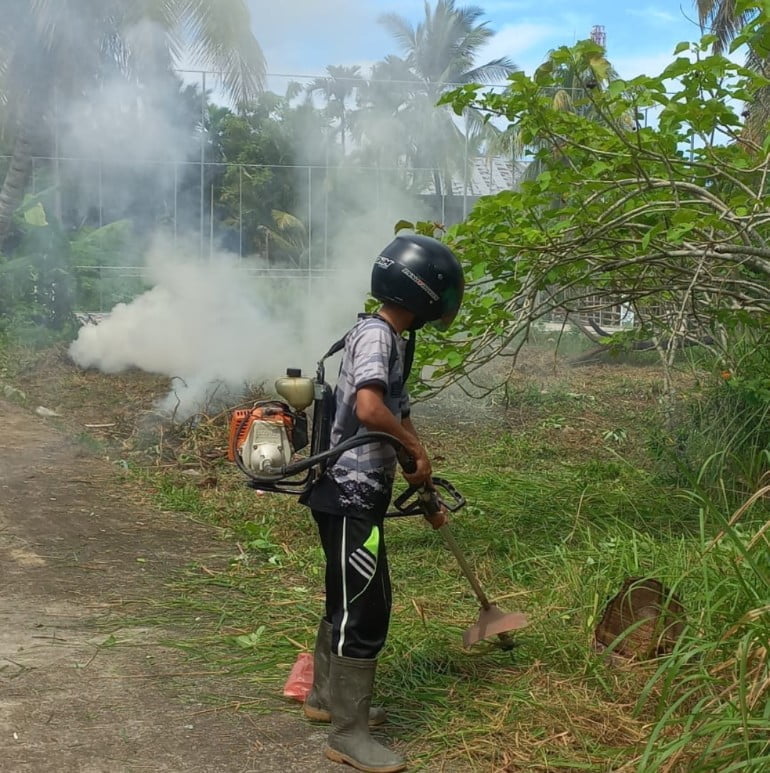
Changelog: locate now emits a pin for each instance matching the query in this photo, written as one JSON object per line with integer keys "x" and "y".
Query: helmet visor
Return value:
{"x": 443, "y": 323}
{"x": 450, "y": 301}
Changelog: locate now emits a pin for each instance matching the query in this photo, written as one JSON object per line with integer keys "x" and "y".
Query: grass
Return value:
{"x": 564, "y": 504}
{"x": 555, "y": 543}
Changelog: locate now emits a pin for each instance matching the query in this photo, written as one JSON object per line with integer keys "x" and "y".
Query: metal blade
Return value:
{"x": 493, "y": 622}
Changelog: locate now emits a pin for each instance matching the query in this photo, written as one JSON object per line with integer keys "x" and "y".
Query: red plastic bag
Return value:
{"x": 301, "y": 678}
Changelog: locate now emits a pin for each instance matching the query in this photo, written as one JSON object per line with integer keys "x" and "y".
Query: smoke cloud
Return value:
{"x": 215, "y": 323}
{"x": 223, "y": 320}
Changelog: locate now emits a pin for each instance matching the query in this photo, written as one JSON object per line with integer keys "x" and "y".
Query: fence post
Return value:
{"x": 240, "y": 212}
{"x": 203, "y": 164}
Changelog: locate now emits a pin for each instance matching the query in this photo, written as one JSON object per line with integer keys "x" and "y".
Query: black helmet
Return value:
{"x": 422, "y": 275}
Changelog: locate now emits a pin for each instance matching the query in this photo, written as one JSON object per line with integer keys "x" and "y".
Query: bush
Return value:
{"x": 719, "y": 437}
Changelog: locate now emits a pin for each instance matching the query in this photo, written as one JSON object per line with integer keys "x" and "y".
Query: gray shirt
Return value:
{"x": 360, "y": 481}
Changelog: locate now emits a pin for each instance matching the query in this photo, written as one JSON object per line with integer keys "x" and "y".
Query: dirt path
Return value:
{"x": 76, "y": 692}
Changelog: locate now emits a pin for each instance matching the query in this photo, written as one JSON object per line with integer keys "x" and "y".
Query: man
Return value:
{"x": 419, "y": 281}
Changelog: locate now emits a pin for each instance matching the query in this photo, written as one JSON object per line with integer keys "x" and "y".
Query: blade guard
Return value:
{"x": 494, "y": 622}
{"x": 412, "y": 501}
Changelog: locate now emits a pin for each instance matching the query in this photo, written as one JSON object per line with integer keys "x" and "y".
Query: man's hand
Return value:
{"x": 423, "y": 471}
{"x": 439, "y": 519}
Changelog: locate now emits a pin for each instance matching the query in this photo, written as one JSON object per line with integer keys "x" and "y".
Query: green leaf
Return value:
{"x": 250, "y": 640}
{"x": 478, "y": 270}
{"x": 36, "y": 215}
{"x": 453, "y": 358}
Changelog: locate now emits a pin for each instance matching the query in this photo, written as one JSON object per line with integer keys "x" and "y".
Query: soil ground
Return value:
{"x": 80, "y": 691}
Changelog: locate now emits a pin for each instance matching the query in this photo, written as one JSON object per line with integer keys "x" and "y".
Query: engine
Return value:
{"x": 263, "y": 437}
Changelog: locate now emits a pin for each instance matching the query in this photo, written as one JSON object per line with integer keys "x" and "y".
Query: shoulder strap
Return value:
{"x": 339, "y": 345}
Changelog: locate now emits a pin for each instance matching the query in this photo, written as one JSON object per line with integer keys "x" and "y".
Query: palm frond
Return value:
{"x": 163, "y": 13}
{"x": 562, "y": 100}
{"x": 602, "y": 71}
{"x": 286, "y": 222}
{"x": 495, "y": 71}
{"x": 221, "y": 39}
{"x": 723, "y": 19}
{"x": 757, "y": 112}
{"x": 293, "y": 90}
{"x": 400, "y": 29}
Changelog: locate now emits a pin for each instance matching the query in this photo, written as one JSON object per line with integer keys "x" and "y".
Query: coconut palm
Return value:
{"x": 287, "y": 236}
{"x": 52, "y": 50}
{"x": 724, "y": 20}
{"x": 336, "y": 89}
{"x": 572, "y": 83}
{"x": 574, "y": 80}
{"x": 438, "y": 54}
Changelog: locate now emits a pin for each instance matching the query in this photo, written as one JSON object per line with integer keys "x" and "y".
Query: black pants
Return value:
{"x": 358, "y": 595}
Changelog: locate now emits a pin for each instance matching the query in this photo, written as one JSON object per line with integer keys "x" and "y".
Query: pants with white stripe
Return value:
{"x": 358, "y": 595}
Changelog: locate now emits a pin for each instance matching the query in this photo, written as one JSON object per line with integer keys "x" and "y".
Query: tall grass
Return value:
{"x": 713, "y": 691}
{"x": 559, "y": 515}
{"x": 720, "y": 438}
{"x": 556, "y": 544}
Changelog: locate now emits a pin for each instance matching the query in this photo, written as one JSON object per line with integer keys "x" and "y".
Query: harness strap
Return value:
{"x": 411, "y": 344}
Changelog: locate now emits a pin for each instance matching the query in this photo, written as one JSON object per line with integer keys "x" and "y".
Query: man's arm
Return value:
{"x": 372, "y": 412}
{"x": 406, "y": 423}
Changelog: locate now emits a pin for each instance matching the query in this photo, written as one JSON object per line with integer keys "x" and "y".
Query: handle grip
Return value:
{"x": 427, "y": 499}
{"x": 406, "y": 460}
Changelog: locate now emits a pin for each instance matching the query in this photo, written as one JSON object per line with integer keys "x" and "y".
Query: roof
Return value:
{"x": 486, "y": 176}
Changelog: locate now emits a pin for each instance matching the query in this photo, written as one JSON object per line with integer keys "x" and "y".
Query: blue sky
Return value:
{"x": 301, "y": 37}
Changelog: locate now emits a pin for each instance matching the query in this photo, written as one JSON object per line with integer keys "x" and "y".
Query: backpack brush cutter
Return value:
{"x": 264, "y": 442}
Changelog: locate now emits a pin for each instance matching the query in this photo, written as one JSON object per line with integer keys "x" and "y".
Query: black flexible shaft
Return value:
{"x": 290, "y": 470}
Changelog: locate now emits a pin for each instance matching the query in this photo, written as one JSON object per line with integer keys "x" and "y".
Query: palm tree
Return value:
{"x": 287, "y": 235}
{"x": 336, "y": 89}
{"x": 51, "y": 50}
{"x": 590, "y": 71}
{"x": 573, "y": 81}
{"x": 723, "y": 19}
{"x": 439, "y": 53}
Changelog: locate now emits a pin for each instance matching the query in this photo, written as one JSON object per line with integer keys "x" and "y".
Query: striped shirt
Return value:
{"x": 360, "y": 481}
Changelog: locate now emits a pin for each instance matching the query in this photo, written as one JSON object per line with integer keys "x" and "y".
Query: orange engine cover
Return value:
{"x": 242, "y": 419}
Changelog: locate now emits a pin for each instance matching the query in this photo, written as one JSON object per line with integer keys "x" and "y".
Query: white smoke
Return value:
{"x": 220, "y": 320}
{"x": 129, "y": 120}
{"x": 213, "y": 323}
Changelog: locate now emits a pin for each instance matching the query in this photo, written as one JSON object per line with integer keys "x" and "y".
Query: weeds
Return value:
{"x": 713, "y": 706}
{"x": 556, "y": 545}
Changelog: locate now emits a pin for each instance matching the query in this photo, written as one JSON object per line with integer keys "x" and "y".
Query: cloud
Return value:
{"x": 526, "y": 44}
{"x": 653, "y": 14}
